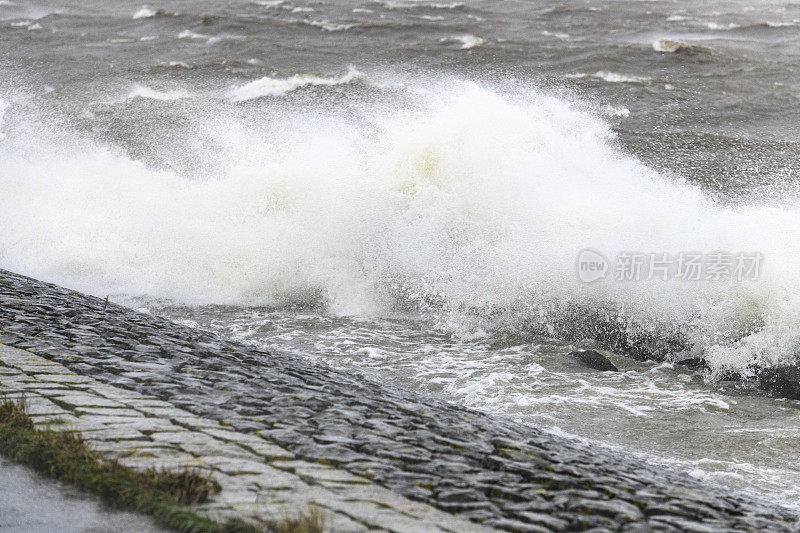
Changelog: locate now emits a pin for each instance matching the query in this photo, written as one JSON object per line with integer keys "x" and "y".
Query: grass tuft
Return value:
{"x": 313, "y": 521}
{"x": 162, "y": 494}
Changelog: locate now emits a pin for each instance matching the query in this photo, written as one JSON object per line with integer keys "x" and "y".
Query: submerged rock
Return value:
{"x": 781, "y": 380}
{"x": 594, "y": 359}
{"x": 694, "y": 363}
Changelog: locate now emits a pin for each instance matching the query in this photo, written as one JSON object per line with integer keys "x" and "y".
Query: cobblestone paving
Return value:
{"x": 489, "y": 470}
{"x": 260, "y": 480}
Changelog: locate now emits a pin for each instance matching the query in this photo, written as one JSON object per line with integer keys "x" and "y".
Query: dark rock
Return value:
{"x": 460, "y": 496}
{"x": 515, "y": 525}
{"x": 694, "y": 363}
{"x": 541, "y": 519}
{"x": 782, "y": 380}
{"x": 594, "y": 359}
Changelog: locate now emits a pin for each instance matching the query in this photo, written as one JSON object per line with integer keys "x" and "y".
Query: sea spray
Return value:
{"x": 460, "y": 203}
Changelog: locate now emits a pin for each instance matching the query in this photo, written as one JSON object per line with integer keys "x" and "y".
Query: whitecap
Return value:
{"x": 189, "y": 34}
{"x": 210, "y": 39}
{"x": 467, "y": 40}
{"x": 557, "y": 35}
{"x": 142, "y": 91}
{"x": 330, "y": 26}
{"x": 267, "y": 86}
{"x": 613, "y": 77}
{"x": 721, "y": 27}
{"x": 405, "y": 5}
{"x": 146, "y": 12}
{"x": 669, "y": 46}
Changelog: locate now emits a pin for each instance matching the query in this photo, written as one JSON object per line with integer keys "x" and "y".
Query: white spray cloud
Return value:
{"x": 467, "y": 200}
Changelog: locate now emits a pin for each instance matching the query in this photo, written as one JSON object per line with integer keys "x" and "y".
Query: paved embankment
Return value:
{"x": 260, "y": 480}
{"x": 200, "y": 397}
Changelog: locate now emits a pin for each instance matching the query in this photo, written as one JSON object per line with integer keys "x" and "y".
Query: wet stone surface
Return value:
{"x": 485, "y": 469}
{"x": 260, "y": 481}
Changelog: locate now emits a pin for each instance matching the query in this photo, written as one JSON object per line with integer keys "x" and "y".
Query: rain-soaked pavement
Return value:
{"x": 30, "y": 503}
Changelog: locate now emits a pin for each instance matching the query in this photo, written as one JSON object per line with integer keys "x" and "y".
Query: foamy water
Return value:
{"x": 657, "y": 411}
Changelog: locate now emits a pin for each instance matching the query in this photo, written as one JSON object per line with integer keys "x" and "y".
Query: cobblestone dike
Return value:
{"x": 489, "y": 470}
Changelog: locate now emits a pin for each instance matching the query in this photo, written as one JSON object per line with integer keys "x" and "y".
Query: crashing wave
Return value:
{"x": 455, "y": 202}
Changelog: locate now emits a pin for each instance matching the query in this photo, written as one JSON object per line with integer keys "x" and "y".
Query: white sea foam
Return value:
{"x": 716, "y": 26}
{"x": 146, "y": 12}
{"x": 668, "y": 45}
{"x": 467, "y": 40}
{"x": 610, "y": 77}
{"x": 267, "y": 86}
{"x": 142, "y": 91}
{"x": 3, "y": 108}
{"x": 557, "y": 35}
{"x": 210, "y": 39}
{"x": 467, "y": 204}
{"x": 189, "y": 34}
{"x": 422, "y": 4}
{"x": 613, "y": 77}
{"x": 327, "y": 25}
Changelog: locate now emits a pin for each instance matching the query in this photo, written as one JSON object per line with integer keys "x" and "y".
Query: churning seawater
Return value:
{"x": 402, "y": 188}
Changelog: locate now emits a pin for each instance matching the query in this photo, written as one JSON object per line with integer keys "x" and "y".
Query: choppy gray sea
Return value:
{"x": 401, "y": 188}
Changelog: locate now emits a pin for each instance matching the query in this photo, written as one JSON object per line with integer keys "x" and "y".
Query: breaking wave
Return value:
{"x": 459, "y": 203}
